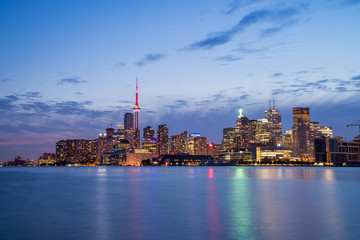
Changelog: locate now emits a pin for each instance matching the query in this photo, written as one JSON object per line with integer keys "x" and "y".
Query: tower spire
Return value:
{"x": 273, "y": 103}
{"x": 136, "y": 108}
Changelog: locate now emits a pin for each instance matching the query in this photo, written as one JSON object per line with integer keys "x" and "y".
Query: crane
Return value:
{"x": 355, "y": 125}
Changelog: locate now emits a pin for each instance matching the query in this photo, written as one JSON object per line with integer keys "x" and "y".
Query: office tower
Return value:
{"x": 136, "y": 110}
{"x": 274, "y": 118}
{"x": 163, "y": 139}
{"x": 129, "y": 132}
{"x": 288, "y": 139}
{"x": 200, "y": 145}
{"x": 191, "y": 143}
{"x": 262, "y": 132}
{"x": 179, "y": 142}
{"x": 148, "y": 132}
{"x": 76, "y": 151}
{"x": 150, "y": 144}
{"x": 120, "y": 132}
{"x": 301, "y": 133}
{"x": 243, "y": 131}
{"x": 228, "y": 139}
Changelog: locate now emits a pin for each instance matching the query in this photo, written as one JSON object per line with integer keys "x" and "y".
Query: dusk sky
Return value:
{"x": 68, "y": 68}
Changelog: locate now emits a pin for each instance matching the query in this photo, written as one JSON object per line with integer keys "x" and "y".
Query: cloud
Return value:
{"x": 236, "y": 4}
{"x": 356, "y": 78}
{"x": 119, "y": 64}
{"x": 220, "y": 38}
{"x": 149, "y": 58}
{"x": 228, "y": 58}
{"x": 74, "y": 80}
{"x": 6, "y": 80}
{"x": 278, "y": 74}
{"x": 30, "y": 95}
{"x": 271, "y": 31}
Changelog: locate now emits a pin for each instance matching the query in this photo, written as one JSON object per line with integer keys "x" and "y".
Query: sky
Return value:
{"x": 68, "y": 67}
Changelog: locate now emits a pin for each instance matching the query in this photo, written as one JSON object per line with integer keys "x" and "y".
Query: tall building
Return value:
{"x": 243, "y": 131}
{"x": 149, "y": 141}
{"x": 262, "y": 132}
{"x": 301, "y": 133}
{"x": 179, "y": 143}
{"x": 274, "y": 118}
{"x": 228, "y": 139}
{"x": 136, "y": 110}
{"x": 148, "y": 132}
{"x": 288, "y": 139}
{"x": 191, "y": 142}
{"x": 121, "y": 132}
{"x": 129, "y": 132}
{"x": 200, "y": 146}
{"x": 163, "y": 139}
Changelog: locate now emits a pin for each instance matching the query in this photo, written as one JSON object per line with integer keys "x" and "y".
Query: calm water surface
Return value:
{"x": 179, "y": 203}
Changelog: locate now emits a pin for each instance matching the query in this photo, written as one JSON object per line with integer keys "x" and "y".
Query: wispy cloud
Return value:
{"x": 278, "y": 74}
{"x": 228, "y": 58}
{"x": 356, "y": 78}
{"x": 6, "y": 80}
{"x": 119, "y": 64}
{"x": 223, "y": 37}
{"x": 149, "y": 58}
{"x": 74, "y": 80}
{"x": 236, "y": 4}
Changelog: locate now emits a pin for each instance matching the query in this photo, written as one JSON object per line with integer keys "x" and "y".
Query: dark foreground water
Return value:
{"x": 179, "y": 203}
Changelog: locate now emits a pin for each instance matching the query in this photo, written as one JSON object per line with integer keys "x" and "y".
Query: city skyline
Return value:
{"x": 68, "y": 69}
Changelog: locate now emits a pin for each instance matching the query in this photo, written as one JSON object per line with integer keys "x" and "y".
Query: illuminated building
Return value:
{"x": 179, "y": 143}
{"x": 129, "y": 132}
{"x": 301, "y": 133}
{"x": 47, "y": 159}
{"x": 288, "y": 139}
{"x": 200, "y": 145}
{"x": 243, "y": 131}
{"x": 228, "y": 139}
{"x": 262, "y": 132}
{"x": 163, "y": 139}
{"x": 136, "y": 110}
{"x": 120, "y": 132}
{"x": 334, "y": 151}
{"x": 274, "y": 118}
{"x": 150, "y": 144}
{"x": 148, "y": 132}
{"x": 191, "y": 144}
{"x": 76, "y": 151}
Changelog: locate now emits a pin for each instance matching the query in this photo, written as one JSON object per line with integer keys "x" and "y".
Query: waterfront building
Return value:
{"x": 228, "y": 139}
{"x": 163, "y": 139}
{"x": 150, "y": 144}
{"x": 262, "y": 132}
{"x": 288, "y": 139}
{"x": 148, "y": 132}
{"x": 243, "y": 131}
{"x": 274, "y": 118}
{"x": 129, "y": 132}
{"x": 301, "y": 133}
{"x": 179, "y": 143}
{"x": 200, "y": 146}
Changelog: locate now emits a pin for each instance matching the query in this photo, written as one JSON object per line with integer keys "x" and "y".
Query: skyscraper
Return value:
{"x": 129, "y": 132}
{"x": 301, "y": 133}
{"x": 243, "y": 131}
{"x": 163, "y": 139}
{"x": 136, "y": 110}
{"x": 148, "y": 132}
{"x": 274, "y": 118}
{"x": 228, "y": 138}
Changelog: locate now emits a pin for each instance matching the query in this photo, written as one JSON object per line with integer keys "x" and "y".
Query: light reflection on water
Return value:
{"x": 179, "y": 203}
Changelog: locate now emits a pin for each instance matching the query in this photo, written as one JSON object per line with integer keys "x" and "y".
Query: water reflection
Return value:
{"x": 212, "y": 205}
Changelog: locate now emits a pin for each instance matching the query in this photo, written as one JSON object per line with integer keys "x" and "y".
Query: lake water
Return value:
{"x": 179, "y": 203}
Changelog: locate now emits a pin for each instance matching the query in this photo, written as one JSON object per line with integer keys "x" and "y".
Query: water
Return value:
{"x": 179, "y": 203}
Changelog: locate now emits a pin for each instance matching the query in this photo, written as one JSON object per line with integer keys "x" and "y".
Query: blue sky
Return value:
{"x": 68, "y": 68}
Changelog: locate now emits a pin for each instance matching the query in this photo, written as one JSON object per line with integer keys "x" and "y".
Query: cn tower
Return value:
{"x": 136, "y": 108}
